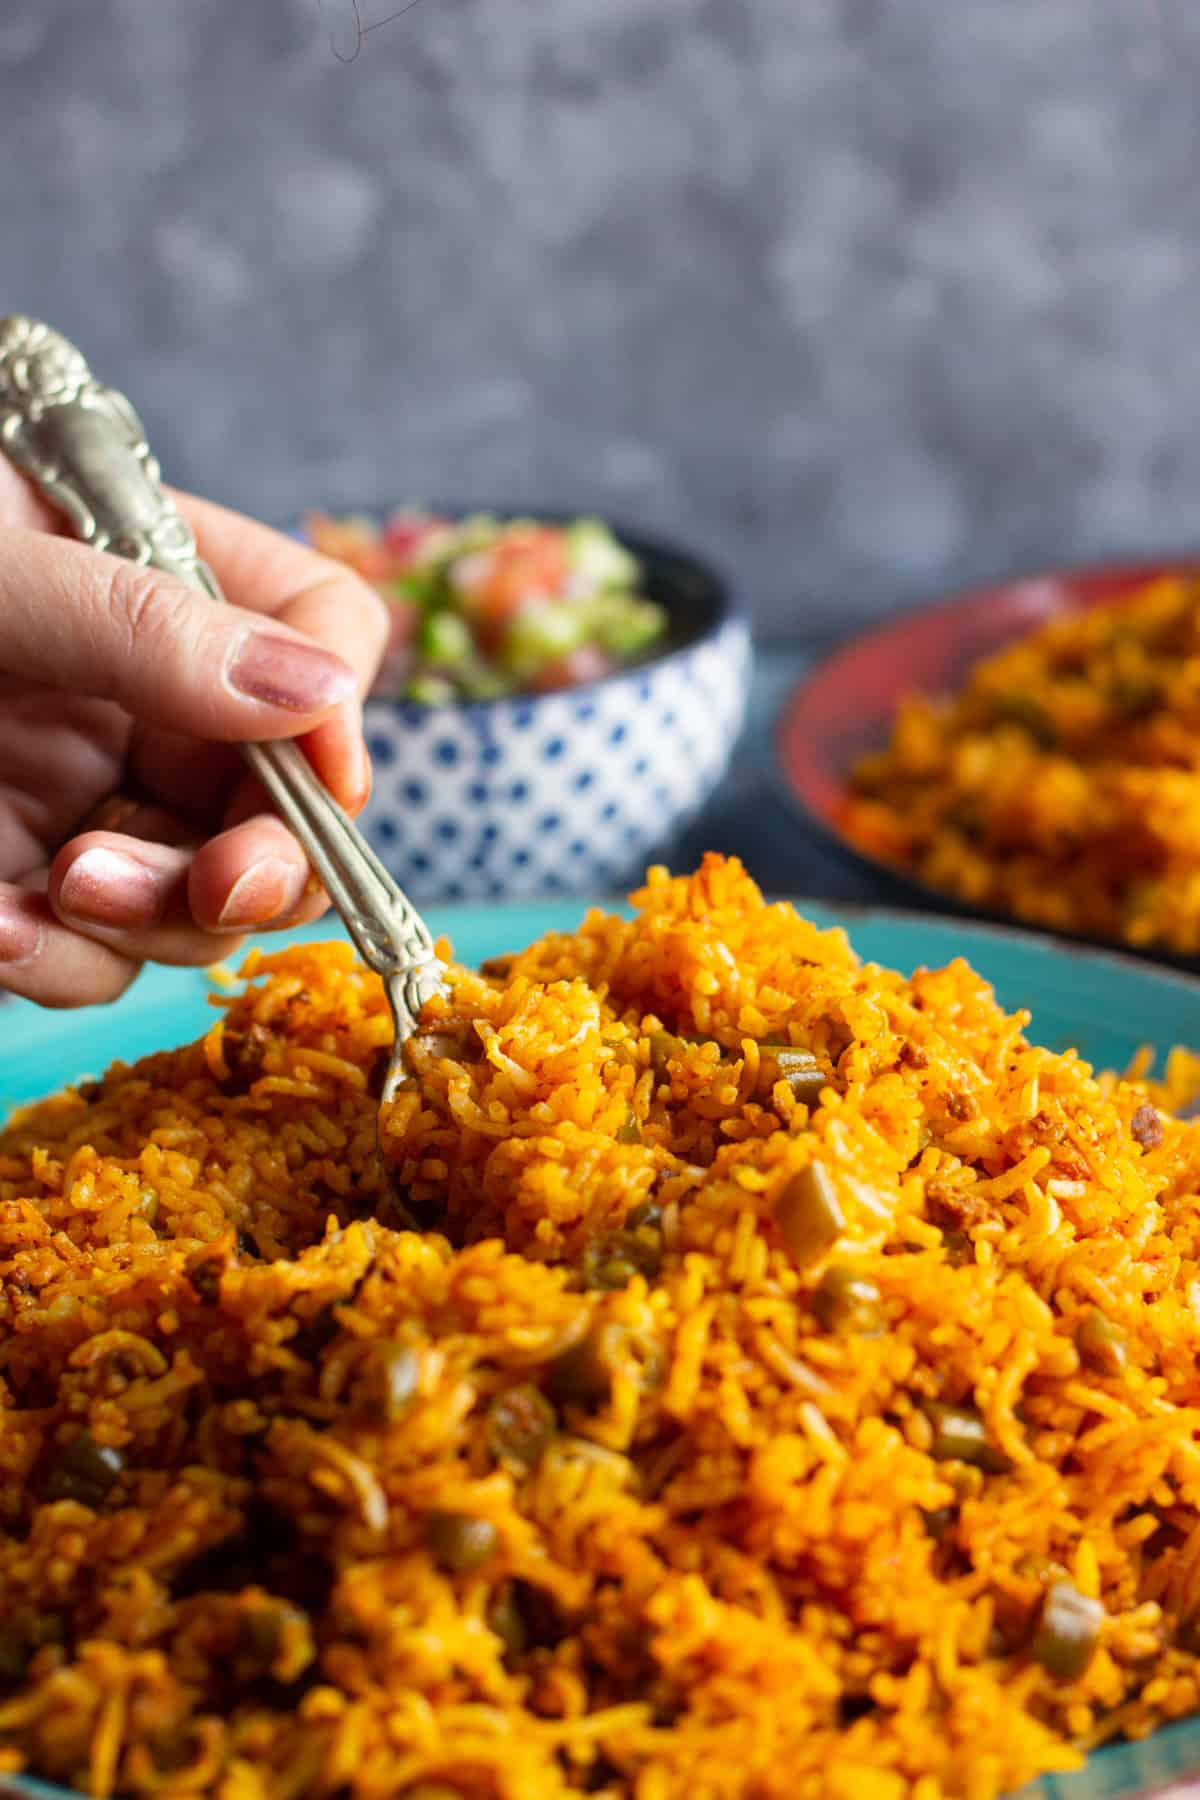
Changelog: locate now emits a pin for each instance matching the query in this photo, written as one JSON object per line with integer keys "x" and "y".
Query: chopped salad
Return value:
{"x": 483, "y": 607}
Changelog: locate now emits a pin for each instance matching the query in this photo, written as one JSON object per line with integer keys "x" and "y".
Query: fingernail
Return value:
{"x": 266, "y": 891}
{"x": 22, "y": 931}
{"x": 281, "y": 671}
{"x": 106, "y": 887}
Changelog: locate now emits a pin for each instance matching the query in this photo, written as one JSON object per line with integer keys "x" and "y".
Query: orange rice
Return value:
{"x": 315, "y": 1488}
{"x": 1062, "y": 785}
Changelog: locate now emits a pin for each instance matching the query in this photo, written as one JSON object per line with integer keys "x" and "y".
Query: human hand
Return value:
{"x": 130, "y": 831}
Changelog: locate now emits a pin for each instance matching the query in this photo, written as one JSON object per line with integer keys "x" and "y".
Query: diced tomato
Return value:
{"x": 585, "y": 664}
{"x": 352, "y": 544}
{"x": 526, "y": 563}
{"x": 406, "y": 533}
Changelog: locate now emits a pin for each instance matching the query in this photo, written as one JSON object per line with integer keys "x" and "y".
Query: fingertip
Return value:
{"x": 269, "y": 889}
{"x": 21, "y": 505}
{"x": 360, "y": 779}
{"x": 24, "y": 924}
{"x": 110, "y": 880}
{"x": 339, "y": 757}
{"x": 97, "y": 884}
{"x": 247, "y": 877}
{"x": 44, "y": 961}
{"x": 289, "y": 674}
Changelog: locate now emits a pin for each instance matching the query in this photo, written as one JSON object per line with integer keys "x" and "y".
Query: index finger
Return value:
{"x": 258, "y": 568}
{"x": 313, "y": 594}
{"x": 265, "y": 571}
{"x": 21, "y": 504}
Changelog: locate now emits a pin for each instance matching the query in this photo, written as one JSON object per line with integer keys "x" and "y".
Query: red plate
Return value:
{"x": 845, "y": 706}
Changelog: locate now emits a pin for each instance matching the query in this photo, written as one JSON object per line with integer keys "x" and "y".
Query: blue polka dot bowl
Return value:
{"x": 566, "y": 792}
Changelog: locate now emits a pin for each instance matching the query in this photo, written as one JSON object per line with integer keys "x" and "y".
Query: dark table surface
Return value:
{"x": 750, "y": 816}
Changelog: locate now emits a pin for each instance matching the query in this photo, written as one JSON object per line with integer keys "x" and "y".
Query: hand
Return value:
{"x": 117, "y": 681}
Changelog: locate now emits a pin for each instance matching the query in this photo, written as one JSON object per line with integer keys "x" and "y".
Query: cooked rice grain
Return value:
{"x": 551, "y": 1471}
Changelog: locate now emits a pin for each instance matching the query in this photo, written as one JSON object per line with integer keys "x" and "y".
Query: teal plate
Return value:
{"x": 1105, "y": 1006}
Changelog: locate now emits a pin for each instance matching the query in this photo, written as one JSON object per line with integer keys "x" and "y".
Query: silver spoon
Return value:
{"x": 85, "y": 448}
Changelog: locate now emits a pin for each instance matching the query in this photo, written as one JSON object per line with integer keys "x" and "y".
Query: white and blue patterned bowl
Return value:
{"x": 568, "y": 792}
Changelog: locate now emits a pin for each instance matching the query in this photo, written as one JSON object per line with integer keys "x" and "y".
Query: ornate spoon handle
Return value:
{"x": 85, "y": 447}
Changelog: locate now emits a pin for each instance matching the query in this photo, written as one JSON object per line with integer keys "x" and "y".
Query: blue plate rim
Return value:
{"x": 1088, "y": 950}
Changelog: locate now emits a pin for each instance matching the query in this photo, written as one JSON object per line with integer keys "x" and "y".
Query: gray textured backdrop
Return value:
{"x": 867, "y": 296}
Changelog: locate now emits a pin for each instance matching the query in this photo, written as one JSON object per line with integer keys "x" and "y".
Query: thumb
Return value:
{"x": 76, "y": 618}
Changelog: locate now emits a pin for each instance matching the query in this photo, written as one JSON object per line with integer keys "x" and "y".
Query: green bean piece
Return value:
{"x": 459, "y": 1542}
{"x": 1100, "y": 1345}
{"x": 1135, "y": 698}
{"x": 1068, "y": 1631}
{"x": 648, "y": 1215}
{"x": 800, "y": 1069}
{"x": 631, "y": 1131}
{"x": 611, "y": 1262}
{"x": 664, "y": 1047}
{"x": 611, "y": 1276}
{"x": 542, "y": 1622}
{"x": 262, "y": 1627}
{"x": 505, "y": 1619}
{"x": 16, "y": 1653}
{"x": 498, "y": 968}
{"x": 960, "y": 1435}
{"x": 520, "y": 1423}
{"x": 1023, "y": 710}
{"x": 967, "y": 815}
{"x": 582, "y": 1375}
{"x": 958, "y": 1247}
{"x": 938, "y": 1521}
{"x": 847, "y": 1303}
{"x": 809, "y": 1215}
{"x": 85, "y": 1471}
{"x": 205, "y": 1277}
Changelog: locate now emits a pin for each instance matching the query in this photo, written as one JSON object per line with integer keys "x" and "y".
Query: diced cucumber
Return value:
{"x": 540, "y": 634}
{"x": 431, "y": 690}
{"x": 479, "y": 681}
{"x": 445, "y": 640}
{"x": 597, "y": 558}
{"x": 475, "y": 533}
{"x": 631, "y": 627}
